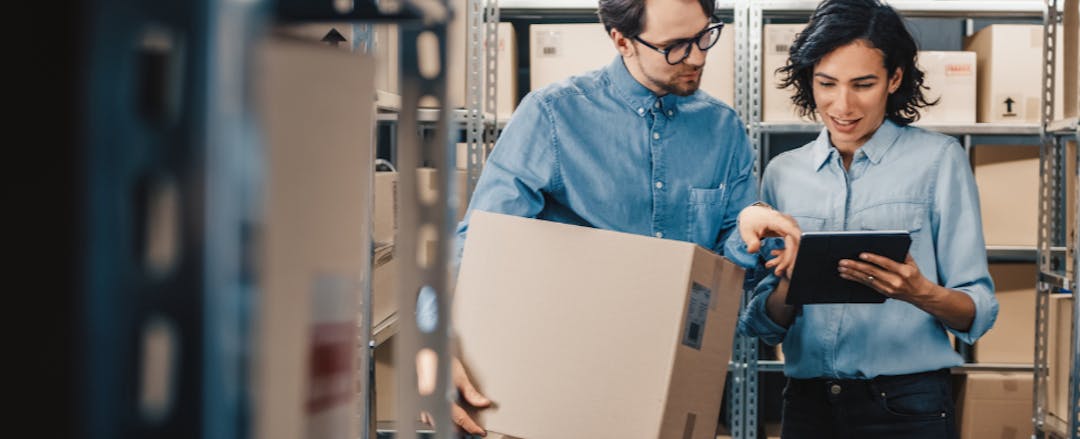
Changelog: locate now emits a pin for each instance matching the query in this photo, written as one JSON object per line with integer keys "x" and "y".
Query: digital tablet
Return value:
{"x": 816, "y": 278}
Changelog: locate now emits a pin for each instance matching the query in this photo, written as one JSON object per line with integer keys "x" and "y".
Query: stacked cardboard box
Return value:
{"x": 1012, "y": 339}
{"x": 1007, "y": 177}
{"x": 950, "y": 77}
{"x": 1010, "y": 79}
{"x": 637, "y": 329}
{"x": 456, "y": 65}
{"x": 558, "y": 51}
{"x": 382, "y": 42}
{"x": 996, "y": 405}
{"x": 1070, "y": 79}
{"x": 776, "y": 103}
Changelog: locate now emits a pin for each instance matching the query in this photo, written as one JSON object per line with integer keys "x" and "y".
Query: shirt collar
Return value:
{"x": 637, "y": 97}
{"x": 874, "y": 149}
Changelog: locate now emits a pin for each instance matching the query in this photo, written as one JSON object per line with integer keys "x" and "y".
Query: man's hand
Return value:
{"x": 461, "y": 415}
{"x": 757, "y": 222}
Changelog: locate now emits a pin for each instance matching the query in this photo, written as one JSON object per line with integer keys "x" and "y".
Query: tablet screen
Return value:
{"x": 816, "y": 279}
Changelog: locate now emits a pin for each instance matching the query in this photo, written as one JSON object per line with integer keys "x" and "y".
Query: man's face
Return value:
{"x": 667, "y": 22}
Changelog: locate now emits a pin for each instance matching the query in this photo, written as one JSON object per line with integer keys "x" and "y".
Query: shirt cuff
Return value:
{"x": 986, "y": 311}
{"x": 755, "y": 320}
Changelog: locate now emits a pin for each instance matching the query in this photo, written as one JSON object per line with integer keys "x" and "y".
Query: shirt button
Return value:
{"x": 669, "y": 112}
{"x": 659, "y": 185}
{"x": 640, "y": 111}
{"x": 656, "y": 136}
{"x": 659, "y": 234}
{"x": 835, "y": 389}
{"x": 657, "y": 104}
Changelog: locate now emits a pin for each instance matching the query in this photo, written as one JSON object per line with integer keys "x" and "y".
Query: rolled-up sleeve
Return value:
{"x": 755, "y": 321}
{"x": 959, "y": 243}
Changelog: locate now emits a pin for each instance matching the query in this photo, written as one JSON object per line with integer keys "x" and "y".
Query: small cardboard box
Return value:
{"x": 996, "y": 405}
{"x": 1007, "y": 177}
{"x": 1010, "y": 79}
{"x": 1012, "y": 339}
{"x": 611, "y": 334}
{"x": 950, "y": 77}
{"x": 776, "y": 103}
{"x": 558, "y": 51}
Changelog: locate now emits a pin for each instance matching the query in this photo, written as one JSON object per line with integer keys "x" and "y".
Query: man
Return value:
{"x": 633, "y": 147}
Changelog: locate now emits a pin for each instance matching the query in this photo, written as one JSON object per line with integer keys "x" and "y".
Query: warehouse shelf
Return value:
{"x": 1063, "y": 127}
{"x": 977, "y": 129}
{"x": 1007, "y": 253}
{"x": 431, "y": 115}
{"x": 307, "y": 11}
{"x": 937, "y": 8}
{"x": 386, "y": 102}
{"x": 573, "y": 4}
{"x": 778, "y": 366}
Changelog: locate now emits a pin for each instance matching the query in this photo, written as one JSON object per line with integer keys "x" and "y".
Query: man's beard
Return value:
{"x": 675, "y": 86}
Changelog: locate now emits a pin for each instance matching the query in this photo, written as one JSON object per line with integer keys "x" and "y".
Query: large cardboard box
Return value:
{"x": 776, "y": 103}
{"x": 1012, "y": 338}
{"x": 996, "y": 405}
{"x": 950, "y": 77}
{"x": 383, "y": 40}
{"x": 1059, "y": 355}
{"x": 1010, "y": 79}
{"x": 316, "y": 235}
{"x": 558, "y": 51}
{"x": 1007, "y": 177}
{"x": 610, "y": 334}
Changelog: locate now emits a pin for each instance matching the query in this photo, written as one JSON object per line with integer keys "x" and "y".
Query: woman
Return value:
{"x": 873, "y": 370}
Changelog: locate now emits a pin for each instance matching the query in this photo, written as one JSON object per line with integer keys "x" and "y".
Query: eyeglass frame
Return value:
{"x": 694, "y": 40}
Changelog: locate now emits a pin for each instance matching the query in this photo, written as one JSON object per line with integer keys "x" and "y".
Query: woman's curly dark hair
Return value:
{"x": 836, "y": 23}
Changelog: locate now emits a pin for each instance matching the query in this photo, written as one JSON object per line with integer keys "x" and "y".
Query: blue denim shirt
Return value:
{"x": 903, "y": 178}
{"x": 601, "y": 150}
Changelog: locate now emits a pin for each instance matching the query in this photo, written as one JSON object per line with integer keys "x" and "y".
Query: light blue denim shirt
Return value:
{"x": 903, "y": 178}
{"x": 601, "y": 150}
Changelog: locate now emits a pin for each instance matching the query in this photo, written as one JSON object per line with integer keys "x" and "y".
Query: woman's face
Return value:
{"x": 850, "y": 88}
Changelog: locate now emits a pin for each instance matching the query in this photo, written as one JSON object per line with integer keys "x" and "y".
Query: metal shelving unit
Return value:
{"x": 1057, "y": 274}
{"x": 204, "y": 159}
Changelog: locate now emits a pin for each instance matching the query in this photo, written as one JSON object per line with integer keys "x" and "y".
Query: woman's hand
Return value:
{"x": 901, "y": 281}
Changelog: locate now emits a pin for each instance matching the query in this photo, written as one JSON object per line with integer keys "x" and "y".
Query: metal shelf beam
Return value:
{"x": 938, "y": 8}
{"x": 978, "y": 129}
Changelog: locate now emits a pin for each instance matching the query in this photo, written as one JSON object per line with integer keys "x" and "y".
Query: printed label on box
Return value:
{"x": 550, "y": 43}
{"x": 696, "y": 314}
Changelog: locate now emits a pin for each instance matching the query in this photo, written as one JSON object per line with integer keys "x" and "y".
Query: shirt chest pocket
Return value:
{"x": 706, "y": 214}
{"x": 907, "y": 216}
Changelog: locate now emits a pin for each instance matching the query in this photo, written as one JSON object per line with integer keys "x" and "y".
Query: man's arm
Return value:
{"x": 521, "y": 167}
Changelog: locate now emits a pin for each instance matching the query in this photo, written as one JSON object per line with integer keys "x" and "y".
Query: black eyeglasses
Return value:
{"x": 678, "y": 51}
